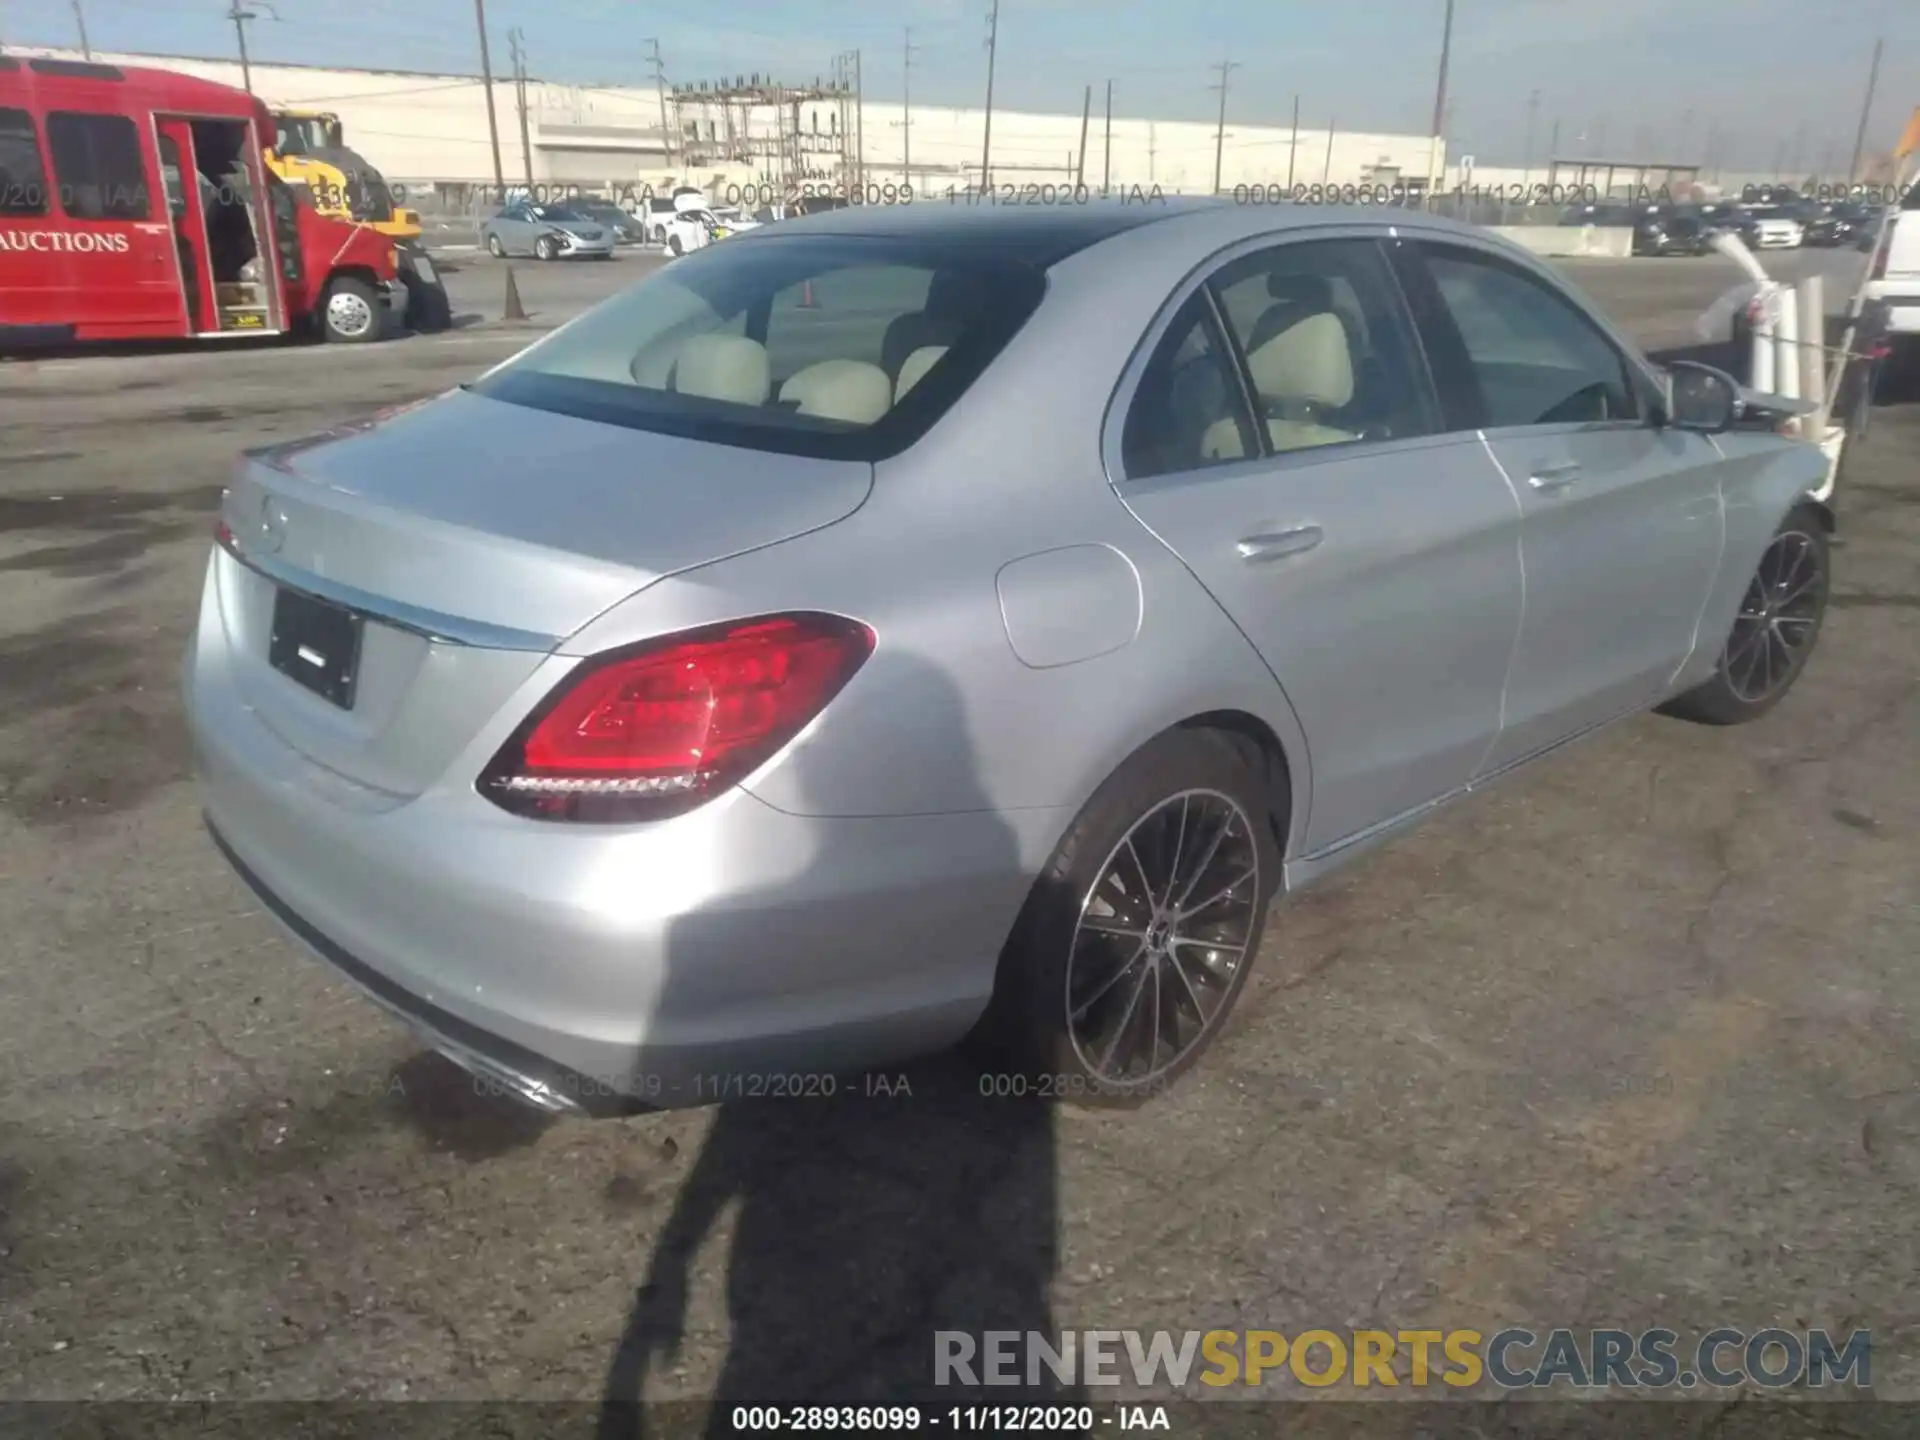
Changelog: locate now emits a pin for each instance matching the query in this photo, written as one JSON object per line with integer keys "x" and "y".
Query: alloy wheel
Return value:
{"x": 1162, "y": 937}
{"x": 1779, "y": 616}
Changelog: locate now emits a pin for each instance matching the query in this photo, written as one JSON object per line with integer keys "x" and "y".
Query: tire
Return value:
{"x": 428, "y": 309}
{"x": 673, "y": 245}
{"x": 351, "y": 312}
{"x": 1184, "y": 784}
{"x": 546, "y": 248}
{"x": 1731, "y": 696}
{"x": 495, "y": 248}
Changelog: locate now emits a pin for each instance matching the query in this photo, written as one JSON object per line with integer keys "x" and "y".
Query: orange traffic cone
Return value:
{"x": 806, "y": 296}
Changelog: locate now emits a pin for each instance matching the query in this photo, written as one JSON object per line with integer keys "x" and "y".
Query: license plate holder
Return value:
{"x": 316, "y": 644}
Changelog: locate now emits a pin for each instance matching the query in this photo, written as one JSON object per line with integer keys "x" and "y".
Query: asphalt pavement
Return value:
{"x": 1629, "y": 1041}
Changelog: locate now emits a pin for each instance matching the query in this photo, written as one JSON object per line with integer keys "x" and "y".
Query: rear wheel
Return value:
{"x": 1138, "y": 937}
{"x": 1774, "y": 633}
{"x": 351, "y": 312}
{"x": 673, "y": 245}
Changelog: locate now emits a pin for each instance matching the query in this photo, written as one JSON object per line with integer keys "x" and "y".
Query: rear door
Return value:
{"x": 179, "y": 184}
{"x": 124, "y": 268}
{"x": 1622, "y": 529}
{"x": 1283, "y": 440}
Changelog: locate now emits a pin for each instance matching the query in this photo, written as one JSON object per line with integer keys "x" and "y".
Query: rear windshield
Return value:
{"x": 843, "y": 347}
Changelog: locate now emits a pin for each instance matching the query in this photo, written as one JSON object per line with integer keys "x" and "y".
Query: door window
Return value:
{"x": 97, "y": 162}
{"x": 1329, "y": 348}
{"x": 1536, "y": 359}
{"x": 23, "y": 180}
{"x": 1190, "y": 411}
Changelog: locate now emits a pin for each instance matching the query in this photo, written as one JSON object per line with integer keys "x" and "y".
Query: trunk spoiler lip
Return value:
{"x": 430, "y": 625}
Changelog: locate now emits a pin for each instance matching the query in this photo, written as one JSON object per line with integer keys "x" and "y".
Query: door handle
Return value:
{"x": 1554, "y": 477}
{"x": 1278, "y": 544}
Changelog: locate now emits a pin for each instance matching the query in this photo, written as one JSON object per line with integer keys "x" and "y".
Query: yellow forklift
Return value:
{"x": 309, "y": 149}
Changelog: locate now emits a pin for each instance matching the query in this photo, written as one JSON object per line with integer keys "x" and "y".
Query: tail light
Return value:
{"x": 659, "y": 729}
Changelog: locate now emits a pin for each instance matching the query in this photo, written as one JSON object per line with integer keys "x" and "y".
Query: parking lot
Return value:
{"x": 1629, "y": 1042}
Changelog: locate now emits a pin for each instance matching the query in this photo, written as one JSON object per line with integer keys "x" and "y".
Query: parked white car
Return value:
{"x": 1894, "y": 280}
{"x": 695, "y": 226}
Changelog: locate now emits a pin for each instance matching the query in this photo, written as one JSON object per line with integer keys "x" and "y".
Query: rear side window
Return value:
{"x": 841, "y": 347}
{"x": 98, "y": 166}
{"x": 23, "y": 180}
{"x": 1189, "y": 411}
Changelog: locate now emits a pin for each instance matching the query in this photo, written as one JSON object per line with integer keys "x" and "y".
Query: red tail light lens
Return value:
{"x": 657, "y": 730}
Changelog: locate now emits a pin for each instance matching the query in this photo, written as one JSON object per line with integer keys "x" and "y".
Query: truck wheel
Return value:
{"x": 428, "y": 309}
{"x": 351, "y": 312}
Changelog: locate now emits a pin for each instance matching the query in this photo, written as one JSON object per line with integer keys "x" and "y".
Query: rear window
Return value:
{"x": 841, "y": 347}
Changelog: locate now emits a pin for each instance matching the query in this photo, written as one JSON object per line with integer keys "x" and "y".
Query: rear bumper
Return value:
{"x": 732, "y": 951}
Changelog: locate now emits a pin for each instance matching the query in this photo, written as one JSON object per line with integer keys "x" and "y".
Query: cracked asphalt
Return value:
{"x": 1630, "y": 1041}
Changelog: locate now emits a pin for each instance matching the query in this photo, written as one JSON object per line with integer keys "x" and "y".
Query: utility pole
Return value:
{"x": 1326, "y": 170}
{"x": 906, "y": 108}
{"x": 1226, "y": 68}
{"x": 986, "y": 138}
{"x": 80, "y": 19}
{"x": 1106, "y": 146}
{"x": 1526, "y": 159}
{"x": 512, "y": 310}
{"x": 1293, "y": 145}
{"x": 1866, "y": 112}
{"x": 515, "y": 39}
{"x": 1553, "y": 153}
{"x": 859, "y": 128}
{"x": 1086, "y": 115}
{"x": 1439, "y": 104}
{"x": 660, "y": 84}
{"x": 240, "y": 17}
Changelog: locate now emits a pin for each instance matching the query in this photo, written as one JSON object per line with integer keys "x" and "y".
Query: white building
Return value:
{"x": 426, "y": 129}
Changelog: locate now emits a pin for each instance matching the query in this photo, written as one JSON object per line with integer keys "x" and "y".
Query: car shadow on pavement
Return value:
{"x": 863, "y": 1221}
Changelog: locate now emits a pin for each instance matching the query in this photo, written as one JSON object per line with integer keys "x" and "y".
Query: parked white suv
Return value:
{"x": 1894, "y": 280}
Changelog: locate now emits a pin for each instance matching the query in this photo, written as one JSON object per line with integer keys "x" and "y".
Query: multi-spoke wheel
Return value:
{"x": 1774, "y": 631}
{"x": 1139, "y": 936}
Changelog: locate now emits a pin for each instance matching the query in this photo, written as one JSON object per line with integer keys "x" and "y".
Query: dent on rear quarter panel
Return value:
{"x": 1067, "y": 605}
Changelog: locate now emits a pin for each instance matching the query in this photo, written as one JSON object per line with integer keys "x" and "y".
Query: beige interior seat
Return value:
{"x": 849, "y": 390}
{"x": 1222, "y": 441}
{"x": 723, "y": 367}
{"x": 1302, "y": 372}
{"x": 915, "y": 367}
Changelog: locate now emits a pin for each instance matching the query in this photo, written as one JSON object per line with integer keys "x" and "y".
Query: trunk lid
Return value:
{"x": 476, "y": 535}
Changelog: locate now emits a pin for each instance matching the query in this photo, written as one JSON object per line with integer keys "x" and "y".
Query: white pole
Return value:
{"x": 1786, "y": 365}
{"x": 1813, "y": 350}
{"x": 1763, "y": 342}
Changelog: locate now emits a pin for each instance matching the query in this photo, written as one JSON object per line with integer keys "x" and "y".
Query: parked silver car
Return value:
{"x": 905, "y": 623}
{"x": 547, "y": 232}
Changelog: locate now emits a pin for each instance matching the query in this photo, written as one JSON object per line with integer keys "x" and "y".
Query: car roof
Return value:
{"x": 1045, "y": 234}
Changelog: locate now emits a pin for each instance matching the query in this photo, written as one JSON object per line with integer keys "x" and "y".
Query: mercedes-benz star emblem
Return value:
{"x": 273, "y": 526}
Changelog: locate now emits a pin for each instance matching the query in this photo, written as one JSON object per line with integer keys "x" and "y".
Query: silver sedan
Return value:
{"x": 547, "y": 232}
{"x": 900, "y": 626}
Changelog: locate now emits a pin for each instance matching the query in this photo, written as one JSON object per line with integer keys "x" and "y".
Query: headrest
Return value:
{"x": 1313, "y": 291}
{"x": 1308, "y": 361}
{"x": 849, "y": 390}
{"x": 723, "y": 367}
{"x": 915, "y": 369}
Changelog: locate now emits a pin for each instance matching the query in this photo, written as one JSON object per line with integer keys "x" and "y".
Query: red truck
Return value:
{"x": 137, "y": 205}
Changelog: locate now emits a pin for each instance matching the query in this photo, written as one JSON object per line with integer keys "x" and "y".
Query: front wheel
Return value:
{"x": 1774, "y": 633}
{"x": 546, "y": 248}
{"x": 495, "y": 248}
{"x": 673, "y": 245}
{"x": 1138, "y": 937}
{"x": 351, "y": 312}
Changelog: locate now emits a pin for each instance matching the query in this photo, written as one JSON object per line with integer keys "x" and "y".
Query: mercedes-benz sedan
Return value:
{"x": 897, "y": 625}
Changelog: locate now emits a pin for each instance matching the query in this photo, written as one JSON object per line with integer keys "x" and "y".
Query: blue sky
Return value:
{"x": 1769, "y": 78}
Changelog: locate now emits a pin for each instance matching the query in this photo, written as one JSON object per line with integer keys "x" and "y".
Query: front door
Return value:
{"x": 1622, "y": 527}
{"x": 113, "y": 227}
{"x": 1284, "y": 441}
{"x": 180, "y": 181}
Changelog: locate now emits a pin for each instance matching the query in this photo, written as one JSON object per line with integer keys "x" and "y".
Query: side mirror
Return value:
{"x": 1700, "y": 397}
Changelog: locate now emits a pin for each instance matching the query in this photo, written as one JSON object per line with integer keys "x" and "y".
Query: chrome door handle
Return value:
{"x": 1278, "y": 544}
{"x": 1554, "y": 477}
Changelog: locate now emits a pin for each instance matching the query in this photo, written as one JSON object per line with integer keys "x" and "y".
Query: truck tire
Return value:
{"x": 428, "y": 309}
{"x": 352, "y": 311}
